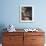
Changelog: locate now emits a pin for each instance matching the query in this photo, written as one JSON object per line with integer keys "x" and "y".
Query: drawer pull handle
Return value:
{"x": 11, "y": 38}
{"x": 33, "y": 39}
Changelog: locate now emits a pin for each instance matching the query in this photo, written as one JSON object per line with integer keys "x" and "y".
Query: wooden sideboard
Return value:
{"x": 23, "y": 39}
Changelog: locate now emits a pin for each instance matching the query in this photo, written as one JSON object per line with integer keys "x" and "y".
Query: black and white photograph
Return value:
{"x": 26, "y": 13}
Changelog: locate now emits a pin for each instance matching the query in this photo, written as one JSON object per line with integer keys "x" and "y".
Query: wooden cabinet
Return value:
{"x": 23, "y": 39}
{"x": 34, "y": 39}
{"x": 13, "y": 39}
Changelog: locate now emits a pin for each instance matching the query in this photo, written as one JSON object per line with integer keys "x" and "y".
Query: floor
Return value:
{"x": 0, "y": 44}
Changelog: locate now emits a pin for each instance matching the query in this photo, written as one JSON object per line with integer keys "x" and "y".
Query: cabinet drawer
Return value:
{"x": 34, "y": 33}
{"x": 37, "y": 44}
{"x": 13, "y": 44}
{"x": 37, "y": 39}
{"x": 8, "y": 45}
{"x": 12, "y": 39}
{"x": 13, "y": 33}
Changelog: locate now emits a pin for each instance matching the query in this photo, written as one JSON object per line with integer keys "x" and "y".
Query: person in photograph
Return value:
{"x": 27, "y": 13}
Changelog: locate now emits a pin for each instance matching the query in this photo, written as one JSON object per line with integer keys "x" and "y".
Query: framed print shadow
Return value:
{"x": 26, "y": 13}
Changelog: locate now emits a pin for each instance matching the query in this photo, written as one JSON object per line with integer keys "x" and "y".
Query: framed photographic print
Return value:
{"x": 26, "y": 13}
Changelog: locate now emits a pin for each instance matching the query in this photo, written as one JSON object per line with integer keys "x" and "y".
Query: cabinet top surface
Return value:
{"x": 22, "y": 30}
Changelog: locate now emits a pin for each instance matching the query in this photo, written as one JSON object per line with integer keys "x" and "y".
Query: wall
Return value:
{"x": 9, "y": 13}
